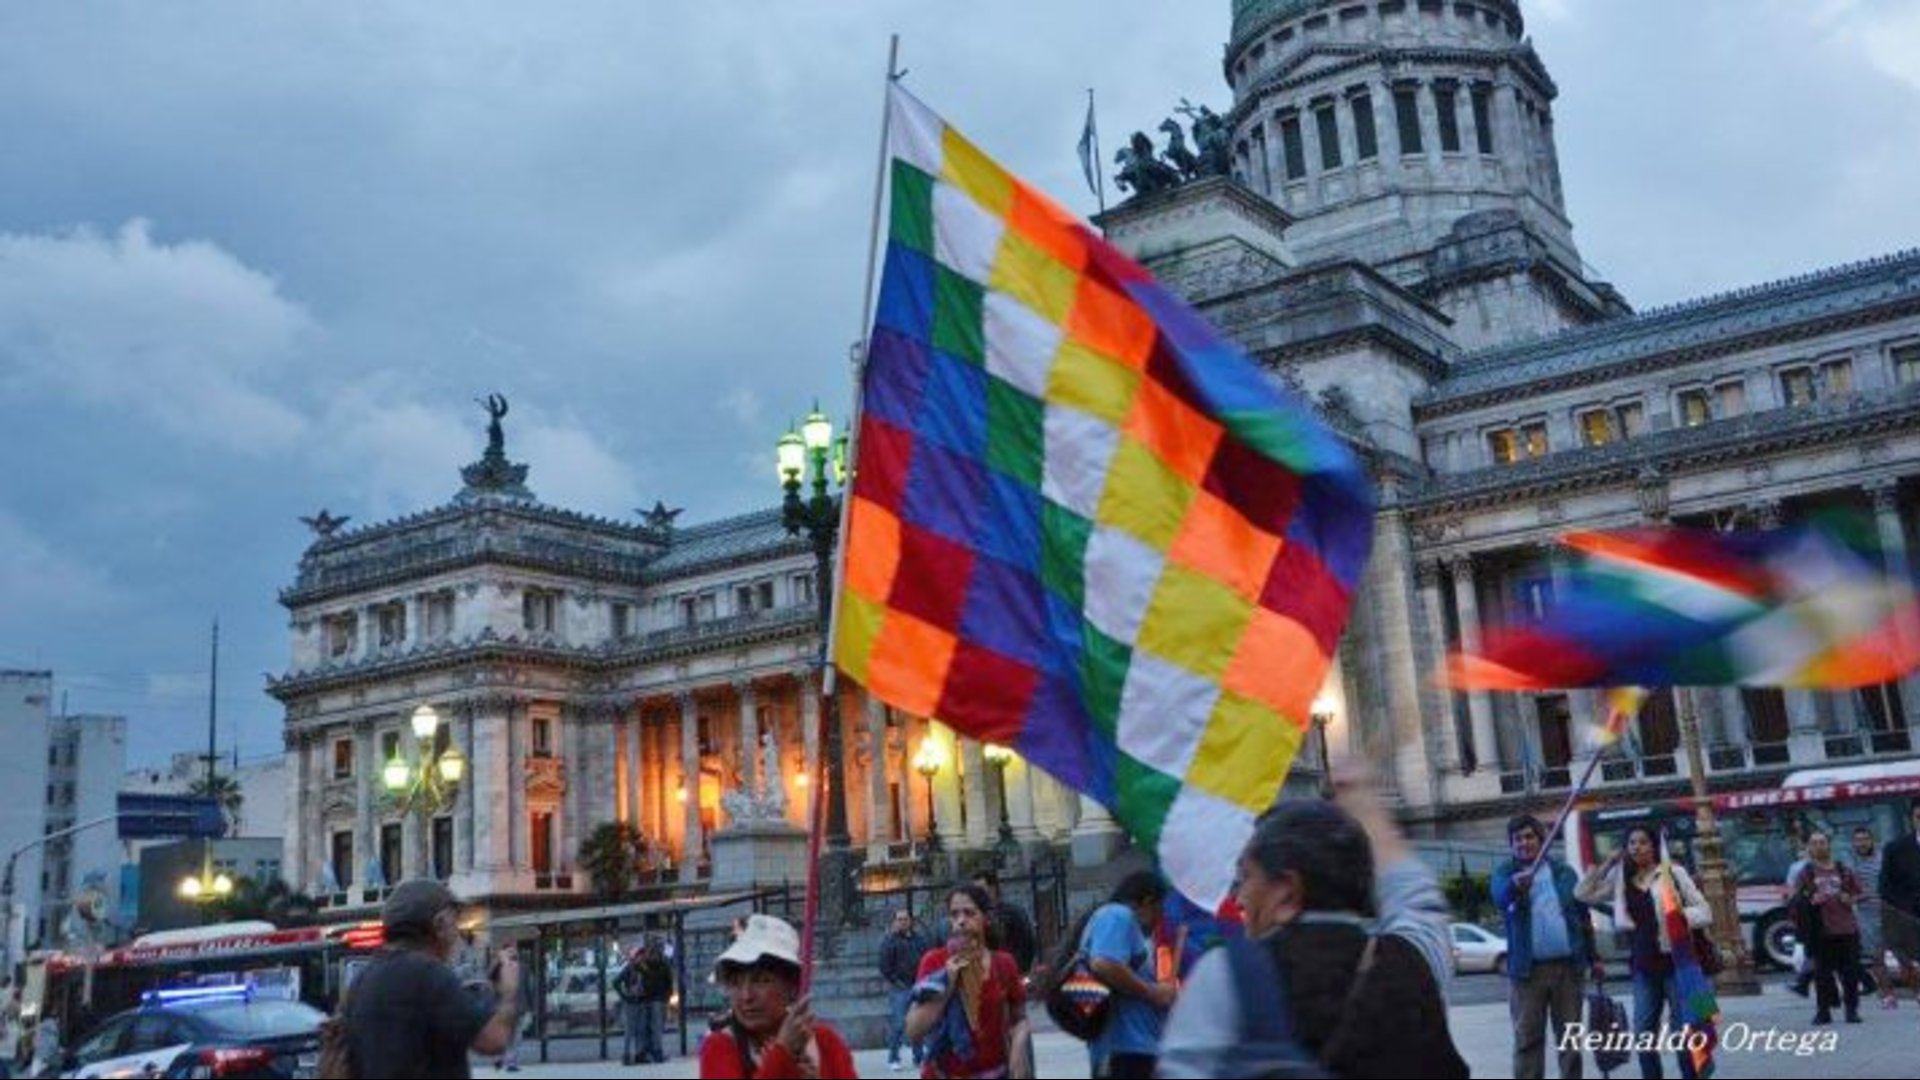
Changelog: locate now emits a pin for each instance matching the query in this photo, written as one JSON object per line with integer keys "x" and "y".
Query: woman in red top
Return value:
{"x": 771, "y": 1032}
{"x": 970, "y": 998}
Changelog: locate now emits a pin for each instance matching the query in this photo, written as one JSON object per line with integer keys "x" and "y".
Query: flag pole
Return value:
{"x": 829, "y": 700}
{"x": 1586, "y": 778}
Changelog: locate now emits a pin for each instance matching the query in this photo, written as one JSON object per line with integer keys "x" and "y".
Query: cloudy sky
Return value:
{"x": 257, "y": 259}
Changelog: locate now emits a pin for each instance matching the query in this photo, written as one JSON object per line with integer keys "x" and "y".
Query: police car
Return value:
{"x": 203, "y": 1032}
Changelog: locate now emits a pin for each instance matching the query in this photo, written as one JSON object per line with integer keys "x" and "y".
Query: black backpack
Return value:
{"x": 1267, "y": 1047}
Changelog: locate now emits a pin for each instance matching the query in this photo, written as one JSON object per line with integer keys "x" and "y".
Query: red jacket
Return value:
{"x": 720, "y": 1057}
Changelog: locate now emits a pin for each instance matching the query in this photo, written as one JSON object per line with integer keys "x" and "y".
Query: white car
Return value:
{"x": 1478, "y": 949}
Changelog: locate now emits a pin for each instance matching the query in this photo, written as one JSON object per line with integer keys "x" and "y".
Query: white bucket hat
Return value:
{"x": 765, "y": 938}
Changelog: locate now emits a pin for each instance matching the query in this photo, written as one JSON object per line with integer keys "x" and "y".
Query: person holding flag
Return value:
{"x": 1642, "y": 887}
{"x": 1549, "y": 948}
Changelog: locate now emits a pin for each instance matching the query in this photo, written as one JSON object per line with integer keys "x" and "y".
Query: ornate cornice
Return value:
{"x": 1294, "y": 75}
{"x": 1727, "y": 442}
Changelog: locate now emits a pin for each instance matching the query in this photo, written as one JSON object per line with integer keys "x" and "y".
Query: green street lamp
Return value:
{"x": 815, "y": 460}
{"x": 429, "y": 785}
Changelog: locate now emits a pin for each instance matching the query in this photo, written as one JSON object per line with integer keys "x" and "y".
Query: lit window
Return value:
{"x": 1596, "y": 428}
{"x": 1534, "y": 436}
{"x": 1504, "y": 445}
{"x": 1695, "y": 409}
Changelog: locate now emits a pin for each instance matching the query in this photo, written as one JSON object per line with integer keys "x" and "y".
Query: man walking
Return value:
{"x": 1900, "y": 899}
{"x": 1549, "y": 949}
{"x": 407, "y": 1014}
{"x": 1012, "y": 926}
{"x": 900, "y": 953}
{"x": 1866, "y": 866}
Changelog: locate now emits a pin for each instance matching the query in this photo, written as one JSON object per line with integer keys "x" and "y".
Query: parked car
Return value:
{"x": 1478, "y": 949}
{"x": 573, "y": 1000}
{"x": 203, "y": 1034}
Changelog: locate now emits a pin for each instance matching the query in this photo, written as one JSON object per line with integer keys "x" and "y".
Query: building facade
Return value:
{"x": 86, "y": 755}
{"x": 26, "y": 708}
{"x": 1394, "y": 243}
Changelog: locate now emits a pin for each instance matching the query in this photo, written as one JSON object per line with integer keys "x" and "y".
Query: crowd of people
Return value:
{"x": 1337, "y": 932}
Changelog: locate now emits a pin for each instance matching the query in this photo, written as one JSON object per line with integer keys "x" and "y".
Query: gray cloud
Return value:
{"x": 647, "y": 224}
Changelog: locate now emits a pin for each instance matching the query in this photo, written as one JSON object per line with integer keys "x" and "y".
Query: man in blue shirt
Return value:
{"x": 1119, "y": 950}
{"x": 1549, "y": 949}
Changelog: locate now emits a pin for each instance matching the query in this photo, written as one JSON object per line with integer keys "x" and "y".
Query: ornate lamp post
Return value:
{"x": 1322, "y": 716}
{"x": 927, "y": 762}
{"x": 1737, "y": 978}
{"x": 1007, "y": 849}
{"x": 428, "y": 783}
{"x": 816, "y": 459}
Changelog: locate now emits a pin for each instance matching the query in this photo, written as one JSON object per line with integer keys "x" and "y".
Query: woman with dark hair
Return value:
{"x": 1626, "y": 884}
{"x": 970, "y": 1004}
{"x": 1346, "y": 933}
{"x": 770, "y": 1029}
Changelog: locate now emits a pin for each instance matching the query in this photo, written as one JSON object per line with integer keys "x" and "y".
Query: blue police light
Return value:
{"x": 196, "y": 993}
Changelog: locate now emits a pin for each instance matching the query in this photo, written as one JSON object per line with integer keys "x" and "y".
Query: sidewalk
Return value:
{"x": 1887, "y": 1044}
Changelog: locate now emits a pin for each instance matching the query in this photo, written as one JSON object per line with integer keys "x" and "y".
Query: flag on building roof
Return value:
{"x": 1082, "y": 524}
{"x": 1809, "y": 606}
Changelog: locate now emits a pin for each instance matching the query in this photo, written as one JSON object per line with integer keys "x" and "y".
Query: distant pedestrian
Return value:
{"x": 770, "y": 1030}
{"x": 1900, "y": 901}
{"x": 1549, "y": 950}
{"x": 408, "y": 1015}
{"x": 1012, "y": 926}
{"x": 523, "y": 991}
{"x": 1873, "y": 948}
{"x": 1832, "y": 888}
{"x": 656, "y": 990}
{"x": 627, "y": 986}
{"x": 970, "y": 1004}
{"x": 900, "y": 953}
{"x": 1363, "y": 995}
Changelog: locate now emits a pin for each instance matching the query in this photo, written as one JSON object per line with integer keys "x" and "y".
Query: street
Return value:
{"x": 1763, "y": 1037}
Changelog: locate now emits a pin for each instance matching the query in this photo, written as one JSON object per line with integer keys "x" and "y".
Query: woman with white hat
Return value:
{"x": 771, "y": 1031}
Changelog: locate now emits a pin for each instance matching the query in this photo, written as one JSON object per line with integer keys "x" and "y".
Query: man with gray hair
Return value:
{"x": 407, "y": 1015}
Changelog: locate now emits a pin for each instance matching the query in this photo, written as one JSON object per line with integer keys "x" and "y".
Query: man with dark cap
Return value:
{"x": 407, "y": 1014}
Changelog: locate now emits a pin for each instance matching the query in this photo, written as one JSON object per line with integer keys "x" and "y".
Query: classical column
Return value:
{"x": 1049, "y": 816}
{"x": 1019, "y": 780}
{"x": 519, "y": 821}
{"x": 983, "y": 815}
{"x": 1486, "y": 742}
{"x": 293, "y": 829}
{"x": 1386, "y": 129}
{"x": 1429, "y": 111}
{"x": 946, "y": 787}
{"x": 463, "y": 814}
{"x": 1885, "y": 494}
{"x": 690, "y": 782}
{"x": 1426, "y": 574}
{"x": 1096, "y": 837}
{"x": 749, "y": 735}
{"x": 809, "y": 690}
{"x": 364, "y": 764}
{"x": 633, "y": 746}
{"x": 878, "y": 805}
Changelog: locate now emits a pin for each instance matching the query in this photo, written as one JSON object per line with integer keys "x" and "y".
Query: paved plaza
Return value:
{"x": 1884, "y": 1045}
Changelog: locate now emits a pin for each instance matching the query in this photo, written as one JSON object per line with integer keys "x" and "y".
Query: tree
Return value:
{"x": 611, "y": 854}
{"x": 224, "y": 790}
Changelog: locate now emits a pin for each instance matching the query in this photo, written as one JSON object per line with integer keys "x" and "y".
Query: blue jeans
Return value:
{"x": 633, "y": 1043}
{"x": 897, "y": 1003}
{"x": 1653, "y": 996}
{"x": 653, "y": 1029}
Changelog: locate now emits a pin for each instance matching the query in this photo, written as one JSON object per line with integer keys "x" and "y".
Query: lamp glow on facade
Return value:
{"x": 929, "y": 759}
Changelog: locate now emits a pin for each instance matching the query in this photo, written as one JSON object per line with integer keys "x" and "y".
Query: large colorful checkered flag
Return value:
{"x": 1082, "y": 524}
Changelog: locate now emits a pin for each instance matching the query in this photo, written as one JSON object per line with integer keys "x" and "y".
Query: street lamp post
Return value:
{"x": 429, "y": 782}
{"x": 1006, "y": 848}
{"x": 926, "y": 762}
{"x": 1736, "y": 977}
{"x": 816, "y": 459}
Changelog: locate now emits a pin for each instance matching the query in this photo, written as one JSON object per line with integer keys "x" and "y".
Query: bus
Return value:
{"x": 307, "y": 964}
{"x": 1761, "y": 833}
